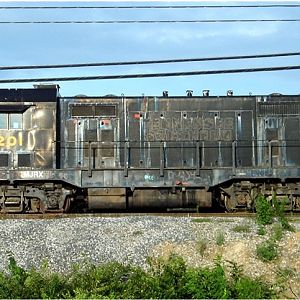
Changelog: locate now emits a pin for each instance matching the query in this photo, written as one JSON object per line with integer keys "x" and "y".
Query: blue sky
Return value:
{"x": 75, "y": 43}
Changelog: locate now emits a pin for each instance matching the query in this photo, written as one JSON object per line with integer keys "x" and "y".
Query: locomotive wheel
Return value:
{"x": 230, "y": 203}
{"x": 42, "y": 207}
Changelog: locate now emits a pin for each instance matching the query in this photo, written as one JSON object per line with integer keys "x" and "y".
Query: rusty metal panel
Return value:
{"x": 244, "y": 137}
{"x": 292, "y": 141}
{"x": 90, "y": 121}
{"x": 135, "y": 138}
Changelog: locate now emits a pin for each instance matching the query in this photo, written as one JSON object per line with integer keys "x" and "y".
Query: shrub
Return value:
{"x": 267, "y": 251}
{"x": 248, "y": 288}
{"x": 167, "y": 278}
{"x": 244, "y": 287}
{"x": 205, "y": 283}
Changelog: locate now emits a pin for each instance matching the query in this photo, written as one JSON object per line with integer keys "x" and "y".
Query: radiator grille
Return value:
{"x": 105, "y": 110}
{"x": 82, "y": 111}
{"x": 275, "y": 109}
{"x": 93, "y": 111}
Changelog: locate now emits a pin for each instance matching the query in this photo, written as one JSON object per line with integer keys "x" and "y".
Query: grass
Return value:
{"x": 241, "y": 228}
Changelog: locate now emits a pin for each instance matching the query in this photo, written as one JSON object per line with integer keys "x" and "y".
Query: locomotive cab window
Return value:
{"x": 15, "y": 121}
{"x": 3, "y": 121}
{"x": 11, "y": 121}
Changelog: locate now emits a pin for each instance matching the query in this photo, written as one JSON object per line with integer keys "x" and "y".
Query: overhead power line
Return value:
{"x": 150, "y": 21}
{"x": 128, "y": 76}
{"x": 144, "y": 62}
{"x": 153, "y": 6}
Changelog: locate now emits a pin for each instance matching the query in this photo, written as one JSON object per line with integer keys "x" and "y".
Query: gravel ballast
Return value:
{"x": 67, "y": 241}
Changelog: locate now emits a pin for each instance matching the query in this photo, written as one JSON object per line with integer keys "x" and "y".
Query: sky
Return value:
{"x": 32, "y": 44}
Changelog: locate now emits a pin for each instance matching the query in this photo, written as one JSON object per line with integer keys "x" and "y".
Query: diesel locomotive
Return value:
{"x": 121, "y": 152}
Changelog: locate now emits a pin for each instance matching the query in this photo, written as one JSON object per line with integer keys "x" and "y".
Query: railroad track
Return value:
{"x": 135, "y": 214}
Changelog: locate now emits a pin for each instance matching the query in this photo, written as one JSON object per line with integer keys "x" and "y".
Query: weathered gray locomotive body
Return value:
{"x": 146, "y": 152}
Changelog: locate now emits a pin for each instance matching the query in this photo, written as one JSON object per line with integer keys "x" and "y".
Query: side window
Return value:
{"x": 3, "y": 121}
{"x": 15, "y": 121}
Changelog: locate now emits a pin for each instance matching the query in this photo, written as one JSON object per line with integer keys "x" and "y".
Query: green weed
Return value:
{"x": 267, "y": 210}
{"x": 261, "y": 230}
{"x": 137, "y": 232}
{"x": 264, "y": 211}
{"x": 202, "y": 220}
{"x": 277, "y": 232}
{"x": 267, "y": 251}
{"x": 201, "y": 246}
{"x": 242, "y": 228}
{"x": 220, "y": 238}
{"x": 279, "y": 212}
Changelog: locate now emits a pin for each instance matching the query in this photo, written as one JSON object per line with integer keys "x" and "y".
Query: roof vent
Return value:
{"x": 275, "y": 94}
{"x": 189, "y": 93}
{"x": 205, "y": 93}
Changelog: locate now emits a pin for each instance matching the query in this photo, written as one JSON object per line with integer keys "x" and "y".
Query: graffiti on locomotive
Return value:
{"x": 11, "y": 141}
{"x": 205, "y": 129}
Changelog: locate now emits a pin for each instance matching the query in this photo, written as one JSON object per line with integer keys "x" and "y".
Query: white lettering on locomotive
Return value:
{"x": 36, "y": 174}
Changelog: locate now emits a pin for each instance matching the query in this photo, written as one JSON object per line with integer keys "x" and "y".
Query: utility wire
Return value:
{"x": 144, "y": 62}
{"x": 127, "y": 76}
{"x": 153, "y": 6}
{"x": 151, "y": 21}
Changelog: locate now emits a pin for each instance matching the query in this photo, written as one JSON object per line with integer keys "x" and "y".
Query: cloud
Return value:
{"x": 180, "y": 35}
